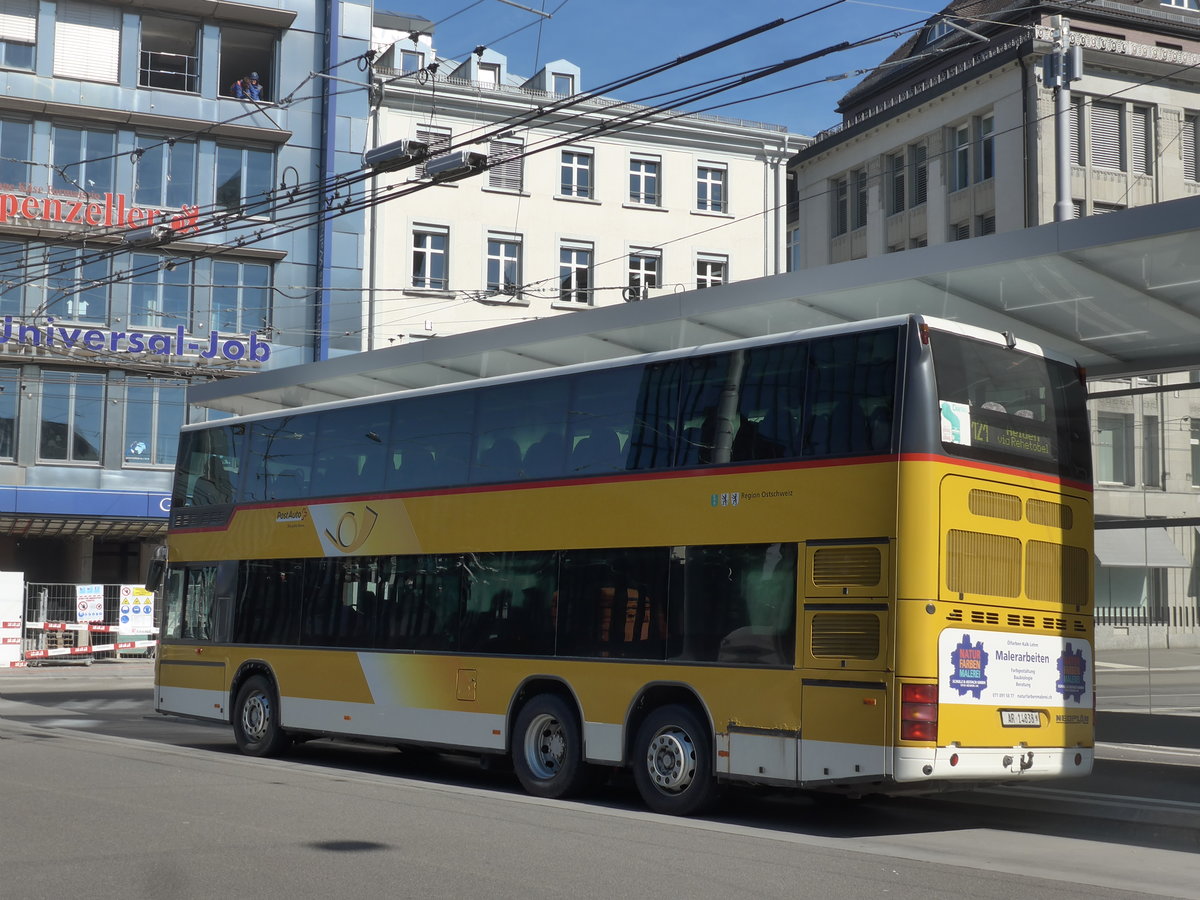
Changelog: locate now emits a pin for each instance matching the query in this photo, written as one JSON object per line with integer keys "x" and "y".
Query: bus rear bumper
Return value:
{"x": 975, "y": 764}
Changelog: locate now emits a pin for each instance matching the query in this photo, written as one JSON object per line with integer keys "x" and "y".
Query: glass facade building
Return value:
{"x": 159, "y": 225}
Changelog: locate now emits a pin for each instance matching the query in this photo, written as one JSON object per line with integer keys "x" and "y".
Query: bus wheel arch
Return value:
{"x": 670, "y": 746}
{"x": 545, "y": 738}
{"x": 255, "y": 712}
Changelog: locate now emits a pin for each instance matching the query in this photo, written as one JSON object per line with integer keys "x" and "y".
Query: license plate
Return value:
{"x": 1020, "y": 718}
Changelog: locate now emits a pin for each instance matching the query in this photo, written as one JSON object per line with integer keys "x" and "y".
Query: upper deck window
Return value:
{"x": 1008, "y": 406}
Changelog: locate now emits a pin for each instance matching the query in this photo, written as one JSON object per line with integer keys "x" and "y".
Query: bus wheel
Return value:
{"x": 547, "y": 748}
{"x": 256, "y": 719}
{"x": 673, "y": 762}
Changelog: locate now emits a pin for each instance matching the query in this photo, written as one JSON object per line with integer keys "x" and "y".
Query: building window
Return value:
{"x": 87, "y": 41}
{"x": 1152, "y": 451}
{"x": 241, "y": 297}
{"x": 859, "y": 179}
{"x": 72, "y": 416}
{"x": 160, "y": 294}
{"x": 711, "y": 270}
{"x": 1141, "y": 144}
{"x": 245, "y": 179}
{"x": 960, "y": 231}
{"x": 165, "y": 172}
{"x": 431, "y": 249}
{"x": 1182, "y": 4}
{"x": 506, "y": 164}
{"x": 154, "y": 412}
{"x": 938, "y": 30}
{"x": 436, "y": 139}
{"x": 896, "y": 183}
{"x": 987, "y": 149}
{"x": 82, "y": 160}
{"x": 1101, "y": 209}
{"x": 14, "y": 153}
{"x": 77, "y": 284}
{"x": 960, "y": 160}
{"x": 839, "y": 191}
{"x": 18, "y": 33}
{"x": 1077, "y": 149}
{"x": 169, "y": 56}
{"x": 919, "y": 165}
{"x": 1190, "y": 171}
{"x": 1107, "y": 136}
{"x": 10, "y": 390}
{"x": 1195, "y": 452}
{"x": 504, "y": 264}
{"x": 245, "y": 51}
{"x": 489, "y": 75}
{"x": 710, "y": 189}
{"x": 576, "y": 172}
{"x": 644, "y": 273}
{"x": 643, "y": 181}
{"x": 985, "y": 224}
{"x": 12, "y": 292}
{"x": 1114, "y": 448}
{"x": 918, "y": 242}
{"x": 575, "y": 273}
{"x": 411, "y": 61}
{"x": 563, "y": 85}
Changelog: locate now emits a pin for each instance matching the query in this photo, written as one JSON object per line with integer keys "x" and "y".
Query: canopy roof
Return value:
{"x": 1120, "y": 293}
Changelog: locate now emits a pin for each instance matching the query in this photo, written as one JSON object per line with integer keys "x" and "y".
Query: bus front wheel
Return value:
{"x": 256, "y": 719}
{"x": 673, "y": 762}
{"x": 547, "y": 748}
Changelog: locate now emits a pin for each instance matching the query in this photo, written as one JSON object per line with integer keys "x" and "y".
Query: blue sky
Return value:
{"x": 608, "y": 39}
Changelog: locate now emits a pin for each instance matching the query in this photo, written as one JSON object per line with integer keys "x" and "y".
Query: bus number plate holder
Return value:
{"x": 1020, "y": 718}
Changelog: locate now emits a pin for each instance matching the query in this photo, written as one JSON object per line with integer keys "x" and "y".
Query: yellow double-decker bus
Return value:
{"x": 856, "y": 559}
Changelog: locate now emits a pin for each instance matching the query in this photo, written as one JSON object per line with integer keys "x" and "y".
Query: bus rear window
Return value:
{"x": 1011, "y": 407}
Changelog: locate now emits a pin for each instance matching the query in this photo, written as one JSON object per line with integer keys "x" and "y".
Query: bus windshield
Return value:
{"x": 1004, "y": 406}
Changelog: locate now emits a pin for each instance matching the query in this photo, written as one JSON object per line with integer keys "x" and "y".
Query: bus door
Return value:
{"x": 191, "y": 677}
{"x": 843, "y": 657}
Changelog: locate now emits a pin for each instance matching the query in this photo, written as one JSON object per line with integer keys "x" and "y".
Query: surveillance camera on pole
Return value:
{"x": 455, "y": 165}
{"x": 148, "y": 236}
{"x": 395, "y": 155}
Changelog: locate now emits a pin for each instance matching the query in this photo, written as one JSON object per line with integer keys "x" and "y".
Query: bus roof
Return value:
{"x": 998, "y": 338}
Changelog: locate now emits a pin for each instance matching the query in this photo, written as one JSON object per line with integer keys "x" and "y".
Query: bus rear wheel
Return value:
{"x": 547, "y": 750}
{"x": 256, "y": 719}
{"x": 673, "y": 762}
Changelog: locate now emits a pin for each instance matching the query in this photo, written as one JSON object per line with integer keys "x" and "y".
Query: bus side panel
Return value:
{"x": 190, "y": 680}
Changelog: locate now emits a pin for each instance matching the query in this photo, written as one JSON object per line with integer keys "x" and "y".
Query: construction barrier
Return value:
{"x": 47, "y": 632}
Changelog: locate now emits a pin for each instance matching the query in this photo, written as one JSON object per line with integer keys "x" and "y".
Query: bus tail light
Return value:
{"x": 918, "y": 712}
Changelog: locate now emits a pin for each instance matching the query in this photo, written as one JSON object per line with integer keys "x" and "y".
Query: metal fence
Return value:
{"x": 53, "y": 633}
{"x": 1140, "y": 616}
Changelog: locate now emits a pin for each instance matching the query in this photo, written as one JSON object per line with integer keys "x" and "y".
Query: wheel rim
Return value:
{"x": 545, "y": 746}
{"x": 671, "y": 760}
{"x": 256, "y": 716}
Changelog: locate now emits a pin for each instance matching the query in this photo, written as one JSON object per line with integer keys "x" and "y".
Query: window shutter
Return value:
{"x": 920, "y": 176}
{"x": 18, "y": 21}
{"x": 506, "y": 163}
{"x": 436, "y": 139}
{"x": 1076, "y": 144}
{"x": 1106, "y": 136}
{"x": 87, "y": 41}
{"x": 1140, "y": 128}
{"x": 1189, "y": 148}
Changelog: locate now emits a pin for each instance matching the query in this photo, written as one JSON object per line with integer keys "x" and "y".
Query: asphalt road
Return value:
{"x": 102, "y": 797}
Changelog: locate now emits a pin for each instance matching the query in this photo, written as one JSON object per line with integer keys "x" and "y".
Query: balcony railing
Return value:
{"x": 169, "y": 71}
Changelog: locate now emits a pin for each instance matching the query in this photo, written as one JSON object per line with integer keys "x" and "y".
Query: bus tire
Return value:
{"x": 673, "y": 762}
{"x": 547, "y": 750}
{"x": 256, "y": 719}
